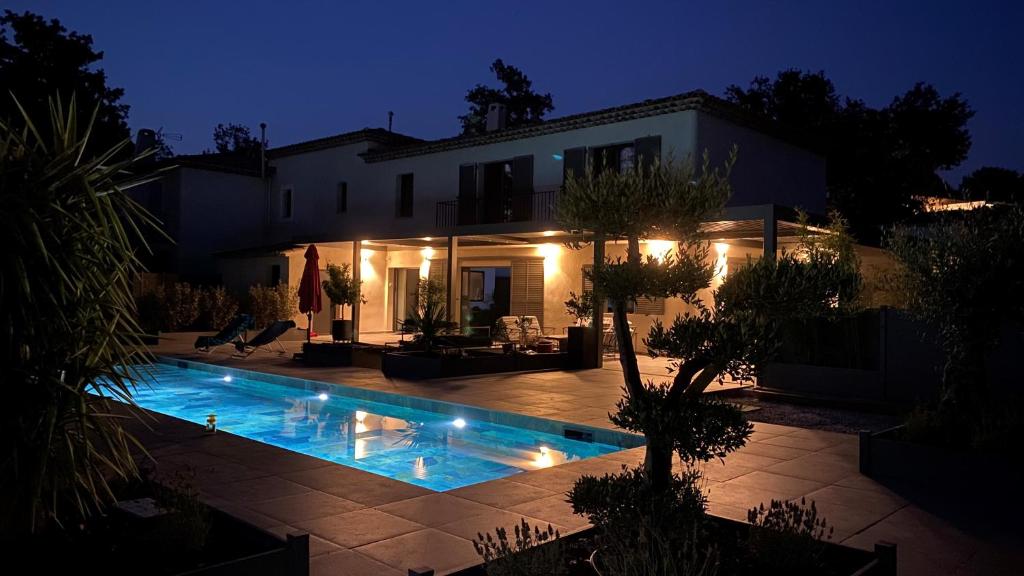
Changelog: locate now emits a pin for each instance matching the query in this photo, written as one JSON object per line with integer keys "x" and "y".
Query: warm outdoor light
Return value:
{"x": 549, "y": 232}
{"x": 428, "y": 238}
{"x": 323, "y": 396}
{"x": 549, "y": 250}
{"x": 660, "y": 248}
{"x": 722, "y": 264}
{"x": 427, "y": 253}
{"x": 459, "y": 423}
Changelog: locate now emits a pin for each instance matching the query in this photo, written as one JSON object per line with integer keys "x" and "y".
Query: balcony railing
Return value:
{"x": 536, "y": 206}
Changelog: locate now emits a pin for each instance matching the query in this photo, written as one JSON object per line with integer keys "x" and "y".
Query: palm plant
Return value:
{"x": 428, "y": 316}
{"x": 70, "y": 341}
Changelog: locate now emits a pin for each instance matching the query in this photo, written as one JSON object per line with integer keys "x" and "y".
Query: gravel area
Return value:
{"x": 816, "y": 417}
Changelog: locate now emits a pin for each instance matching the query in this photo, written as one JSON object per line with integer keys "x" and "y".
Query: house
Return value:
{"x": 476, "y": 213}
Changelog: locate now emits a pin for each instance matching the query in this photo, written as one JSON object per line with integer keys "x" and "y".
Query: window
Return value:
{"x": 286, "y": 203}
{"x": 616, "y": 157}
{"x": 405, "y": 188}
{"x": 341, "y": 198}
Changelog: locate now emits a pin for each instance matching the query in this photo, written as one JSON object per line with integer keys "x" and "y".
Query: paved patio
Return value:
{"x": 361, "y": 523}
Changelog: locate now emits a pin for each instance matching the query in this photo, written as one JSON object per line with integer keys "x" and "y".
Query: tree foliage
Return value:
{"x": 731, "y": 335}
{"x": 340, "y": 287}
{"x": 236, "y": 139}
{"x": 964, "y": 274}
{"x": 877, "y": 160}
{"x": 994, "y": 185}
{"x": 40, "y": 58}
{"x": 523, "y": 105}
{"x": 70, "y": 339}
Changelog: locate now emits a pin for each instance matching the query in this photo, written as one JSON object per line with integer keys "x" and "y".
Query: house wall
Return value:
{"x": 563, "y": 272}
{"x": 217, "y": 211}
{"x": 767, "y": 170}
{"x": 373, "y": 188}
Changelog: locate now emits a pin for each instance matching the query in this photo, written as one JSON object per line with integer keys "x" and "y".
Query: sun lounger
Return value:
{"x": 228, "y": 335}
{"x": 265, "y": 339}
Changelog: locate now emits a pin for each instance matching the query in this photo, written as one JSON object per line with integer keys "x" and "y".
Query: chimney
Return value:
{"x": 145, "y": 139}
{"x": 496, "y": 117}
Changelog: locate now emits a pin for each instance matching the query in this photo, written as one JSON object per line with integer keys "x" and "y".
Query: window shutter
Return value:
{"x": 574, "y": 161}
{"x": 522, "y": 188}
{"x": 467, "y": 194}
{"x": 650, "y": 306}
{"x": 648, "y": 149}
{"x": 527, "y": 294}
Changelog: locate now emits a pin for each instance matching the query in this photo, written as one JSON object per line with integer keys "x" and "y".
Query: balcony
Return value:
{"x": 538, "y": 206}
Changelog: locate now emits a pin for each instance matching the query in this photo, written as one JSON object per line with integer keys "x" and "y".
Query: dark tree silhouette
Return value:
{"x": 878, "y": 160}
{"x": 993, "y": 184}
{"x": 40, "y": 59}
{"x": 235, "y": 138}
{"x": 522, "y": 104}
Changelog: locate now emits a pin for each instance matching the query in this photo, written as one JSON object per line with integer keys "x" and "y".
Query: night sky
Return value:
{"x": 312, "y": 69}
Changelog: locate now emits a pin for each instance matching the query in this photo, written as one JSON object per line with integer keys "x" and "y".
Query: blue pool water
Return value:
{"x": 440, "y": 451}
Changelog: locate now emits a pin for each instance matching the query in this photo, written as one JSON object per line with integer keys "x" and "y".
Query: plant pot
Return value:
{"x": 508, "y": 347}
{"x": 341, "y": 330}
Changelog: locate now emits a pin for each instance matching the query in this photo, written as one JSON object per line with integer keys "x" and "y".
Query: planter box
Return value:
{"x": 421, "y": 366}
{"x": 840, "y": 560}
{"x": 327, "y": 354}
{"x": 886, "y": 455}
{"x": 276, "y": 558}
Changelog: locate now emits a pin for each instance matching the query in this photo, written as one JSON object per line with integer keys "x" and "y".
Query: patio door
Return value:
{"x": 404, "y": 283}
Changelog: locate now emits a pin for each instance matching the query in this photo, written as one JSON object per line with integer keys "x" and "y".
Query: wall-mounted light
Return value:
{"x": 722, "y": 264}
{"x": 660, "y": 249}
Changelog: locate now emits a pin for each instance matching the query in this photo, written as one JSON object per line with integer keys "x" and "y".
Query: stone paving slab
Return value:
{"x": 362, "y": 523}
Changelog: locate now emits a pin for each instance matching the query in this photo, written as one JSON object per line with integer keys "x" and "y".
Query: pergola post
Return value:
{"x": 452, "y": 303}
{"x": 771, "y": 231}
{"x": 357, "y": 264}
{"x": 597, "y": 322}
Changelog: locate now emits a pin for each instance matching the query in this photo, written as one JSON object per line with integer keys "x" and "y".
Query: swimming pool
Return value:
{"x": 433, "y": 444}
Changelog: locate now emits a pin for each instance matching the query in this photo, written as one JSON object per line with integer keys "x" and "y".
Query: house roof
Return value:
{"x": 221, "y": 162}
{"x": 694, "y": 100}
{"x": 376, "y": 135}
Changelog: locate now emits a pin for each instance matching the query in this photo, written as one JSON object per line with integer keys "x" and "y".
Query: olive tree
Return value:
{"x": 964, "y": 274}
{"x": 732, "y": 335}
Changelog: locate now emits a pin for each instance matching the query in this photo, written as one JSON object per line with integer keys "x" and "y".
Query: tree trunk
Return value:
{"x": 658, "y": 462}
{"x": 627, "y": 355}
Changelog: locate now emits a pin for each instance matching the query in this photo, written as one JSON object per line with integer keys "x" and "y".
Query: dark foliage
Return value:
{"x": 877, "y": 159}
{"x": 522, "y": 104}
{"x": 994, "y": 185}
{"x": 236, "y": 139}
{"x": 40, "y": 59}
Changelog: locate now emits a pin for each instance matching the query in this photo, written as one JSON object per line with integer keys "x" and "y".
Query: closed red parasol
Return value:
{"x": 309, "y": 288}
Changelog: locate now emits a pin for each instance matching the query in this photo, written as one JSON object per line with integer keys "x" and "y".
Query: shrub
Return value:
{"x": 340, "y": 288}
{"x": 532, "y": 552}
{"x": 269, "y": 304}
{"x": 181, "y": 306}
{"x": 787, "y": 538}
{"x": 218, "y": 307}
{"x": 150, "y": 306}
{"x": 646, "y": 529}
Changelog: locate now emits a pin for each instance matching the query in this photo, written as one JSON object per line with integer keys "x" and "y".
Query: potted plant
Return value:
{"x": 342, "y": 291}
{"x": 580, "y": 307}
